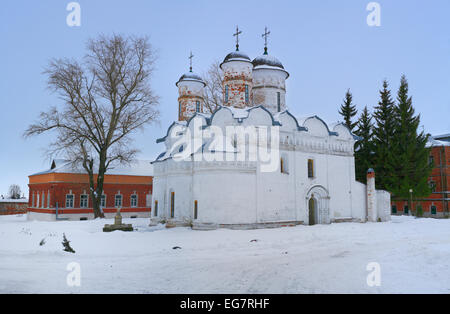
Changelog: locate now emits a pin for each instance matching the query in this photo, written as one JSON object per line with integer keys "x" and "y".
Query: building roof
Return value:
{"x": 266, "y": 60}
{"x": 136, "y": 168}
{"x": 439, "y": 140}
{"x": 191, "y": 76}
{"x": 236, "y": 56}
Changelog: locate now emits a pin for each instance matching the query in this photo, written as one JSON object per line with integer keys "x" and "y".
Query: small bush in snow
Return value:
{"x": 66, "y": 244}
{"x": 42, "y": 243}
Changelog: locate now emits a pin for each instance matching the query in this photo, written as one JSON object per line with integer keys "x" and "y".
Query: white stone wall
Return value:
{"x": 238, "y": 193}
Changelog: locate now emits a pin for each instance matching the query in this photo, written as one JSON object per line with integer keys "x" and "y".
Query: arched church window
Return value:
{"x": 279, "y": 101}
{"x": 195, "y": 209}
{"x": 310, "y": 168}
{"x": 172, "y": 205}
{"x": 197, "y": 106}
{"x": 226, "y": 93}
{"x": 246, "y": 94}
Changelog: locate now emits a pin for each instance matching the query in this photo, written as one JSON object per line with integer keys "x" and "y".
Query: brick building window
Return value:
{"x": 103, "y": 201}
{"x": 406, "y": 209}
{"x": 432, "y": 186}
{"x": 394, "y": 209}
{"x": 83, "y": 201}
{"x": 433, "y": 210}
{"x": 48, "y": 199}
{"x": 69, "y": 201}
{"x": 118, "y": 200}
{"x": 134, "y": 200}
{"x": 43, "y": 200}
{"x": 37, "y": 200}
{"x": 431, "y": 160}
{"x": 310, "y": 168}
{"x": 32, "y": 201}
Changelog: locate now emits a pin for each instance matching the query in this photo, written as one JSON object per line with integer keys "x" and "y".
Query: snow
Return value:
{"x": 414, "y": 256}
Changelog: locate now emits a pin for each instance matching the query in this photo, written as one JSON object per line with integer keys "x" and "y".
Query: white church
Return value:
{"x": 308, "y": 178}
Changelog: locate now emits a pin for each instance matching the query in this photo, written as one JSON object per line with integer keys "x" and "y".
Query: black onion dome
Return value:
{"x": 190, "y": 76}
{"x": 236, "y": 56}
{"x": 267, "y": 60}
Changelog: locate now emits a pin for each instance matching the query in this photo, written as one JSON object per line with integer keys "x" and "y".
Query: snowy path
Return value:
{"x": 414, "y": 255}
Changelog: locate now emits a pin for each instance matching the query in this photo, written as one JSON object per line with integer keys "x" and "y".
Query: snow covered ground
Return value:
{"x": 414, "y": 255}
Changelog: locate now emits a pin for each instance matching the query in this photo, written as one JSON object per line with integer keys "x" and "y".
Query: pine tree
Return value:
{"x": 383, "y": 137}
{"x": 348, "y": 111}
{"x": 411, "y": 167}
{"x": 364, "y": 149}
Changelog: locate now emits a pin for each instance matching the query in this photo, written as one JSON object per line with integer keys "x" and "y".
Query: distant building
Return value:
{"x": 13, "y": 206}
{"x": 436, "y": 204}
{"x": 63, "y": 192}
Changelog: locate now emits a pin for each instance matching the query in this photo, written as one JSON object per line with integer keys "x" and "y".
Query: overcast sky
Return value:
{"x": 327, "y": 46}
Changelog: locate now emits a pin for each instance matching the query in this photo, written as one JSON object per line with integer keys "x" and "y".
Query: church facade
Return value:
{"x": 253, "y": 164}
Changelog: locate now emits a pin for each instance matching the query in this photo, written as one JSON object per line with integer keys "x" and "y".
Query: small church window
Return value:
{"x": 310, "y": 168}
{"x": 156, "y": 208}
{"x": 284, "y": 165}
{"x": 179, "y": 110}
{"x": 246, "y": 94}
{"x": 279, "y": 101}
{"x": 172, "y": 205}
{"x": 226, "y": 93}
{"x": 195, "y": 209}
{"x": 197, "y": 106}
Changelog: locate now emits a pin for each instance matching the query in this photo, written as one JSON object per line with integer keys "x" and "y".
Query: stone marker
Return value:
{"x": 118, "y": 225}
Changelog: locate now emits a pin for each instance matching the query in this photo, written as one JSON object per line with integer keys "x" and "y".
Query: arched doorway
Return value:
{"x": 317, "y": 204}
{"x": 312, "y": 205}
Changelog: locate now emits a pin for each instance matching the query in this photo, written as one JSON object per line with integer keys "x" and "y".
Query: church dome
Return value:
{"x": 266, "y": 60}
{"x": 190, "y": 76}
{"x": 236, "y": 56}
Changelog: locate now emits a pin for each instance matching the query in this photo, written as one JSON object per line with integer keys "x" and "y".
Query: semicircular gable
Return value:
{"x": 222, "y": 116}
{"x": 288, "y": 121}
{"x": 259, "y": 116}
{"x": 316, "y": 126}
{"x": 343, "y": 132}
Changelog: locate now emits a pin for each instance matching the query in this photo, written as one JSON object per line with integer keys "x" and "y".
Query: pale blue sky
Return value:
{"x": 326, "y": 46}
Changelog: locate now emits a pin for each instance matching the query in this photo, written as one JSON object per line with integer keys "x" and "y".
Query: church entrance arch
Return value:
{"x": 317, "y": 202}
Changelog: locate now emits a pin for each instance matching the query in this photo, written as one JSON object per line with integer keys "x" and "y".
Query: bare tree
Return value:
{"x": 14, "y": 192}
{"x": 105, "y": 99}
{"x": 214, "y": 92}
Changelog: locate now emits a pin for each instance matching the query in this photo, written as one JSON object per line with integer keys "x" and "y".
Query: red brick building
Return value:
{"x": 436, "y": 204}
{"x": 63, "y": 192}
{"x": 13, "y": 206}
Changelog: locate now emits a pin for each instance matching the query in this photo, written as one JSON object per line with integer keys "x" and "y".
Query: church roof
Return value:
{"x": 136, "y": 168}
{"x": 190, "y": 76}
{"x": 267, "y": 60}
{"x": 236, "y": 56}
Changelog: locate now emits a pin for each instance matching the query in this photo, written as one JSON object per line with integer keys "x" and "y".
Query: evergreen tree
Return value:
{"x": 348, "y": 111}
{"x": 383, "y": 137}
{"x": 411, "y": 167}
{"x": 364, "y": 149}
